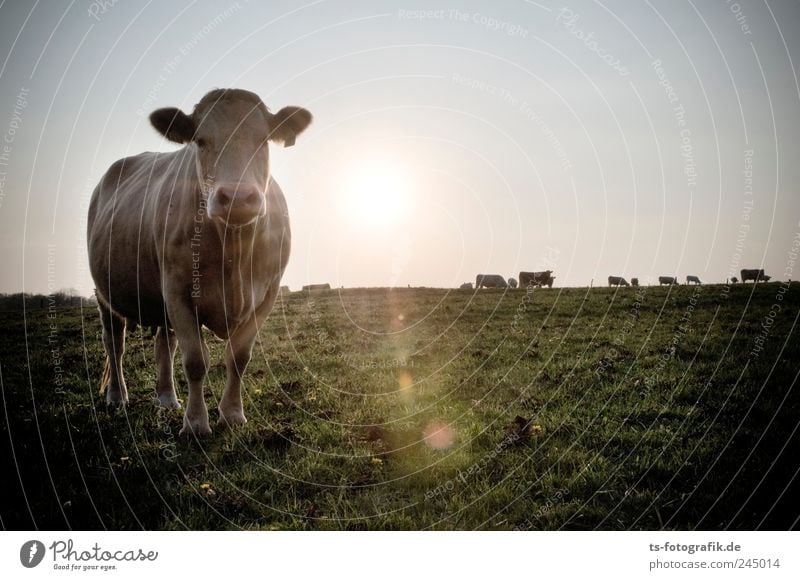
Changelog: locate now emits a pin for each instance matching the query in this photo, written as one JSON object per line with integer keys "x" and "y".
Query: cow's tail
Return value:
{"x": 106, "y": 378}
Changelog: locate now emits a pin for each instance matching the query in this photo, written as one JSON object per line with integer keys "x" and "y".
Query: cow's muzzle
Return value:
{"x": 237, "y": 204}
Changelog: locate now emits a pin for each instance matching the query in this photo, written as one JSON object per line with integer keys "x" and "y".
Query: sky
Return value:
{"x": 592, "y": 139}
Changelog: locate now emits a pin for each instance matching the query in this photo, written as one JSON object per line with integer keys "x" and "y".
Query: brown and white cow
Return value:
{"x": 755, "y": 276}
{"x": 196, "y": 237}
{"x": 617, "y": 281}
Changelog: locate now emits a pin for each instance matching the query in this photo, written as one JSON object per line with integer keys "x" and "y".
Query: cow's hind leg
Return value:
{"x": 114, "y": 343}
{"x": 165, "y": 355}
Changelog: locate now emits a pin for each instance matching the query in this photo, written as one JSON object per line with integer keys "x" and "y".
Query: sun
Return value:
{"x": 376, "y": 195}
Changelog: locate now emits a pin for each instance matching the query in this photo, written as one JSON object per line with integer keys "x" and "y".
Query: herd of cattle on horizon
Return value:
{"x": 546, "y": 278}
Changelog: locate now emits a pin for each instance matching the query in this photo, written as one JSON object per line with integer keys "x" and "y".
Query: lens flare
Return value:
{"x": 404, "y": 380}
{"x": 438, "y": 435}
{"x": 406, "y": 384}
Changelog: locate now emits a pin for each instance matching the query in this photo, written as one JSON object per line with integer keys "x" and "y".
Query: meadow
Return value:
{"x": 415, "y": 409}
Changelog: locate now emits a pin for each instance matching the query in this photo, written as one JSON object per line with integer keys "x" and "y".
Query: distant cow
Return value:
{"x": 466, "y": 286}
{"x": 490, "y": 281}
{"x": 538, "y": 279}
{"x": 669, "y": 280}
{"x": 310, "y": 287}
{"x": 734, "y": 280}
{"x": 693, "y": 280}
{"x": 617, "y": 281}
{"x": 755, "y": 276}
{"x": 191, "y": 238}
{"x": 634, "y": 281}
{"x": 512, "y": 283}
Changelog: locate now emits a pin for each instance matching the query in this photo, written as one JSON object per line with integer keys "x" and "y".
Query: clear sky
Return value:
{"x": 625, "y": 138}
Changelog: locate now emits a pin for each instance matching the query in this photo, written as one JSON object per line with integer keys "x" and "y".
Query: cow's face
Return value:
{"x": 230, "y": 131}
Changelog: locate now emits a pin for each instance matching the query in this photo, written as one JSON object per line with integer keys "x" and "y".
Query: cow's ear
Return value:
{"x": 287, "y": 124}
{"x": 174, "y": 124}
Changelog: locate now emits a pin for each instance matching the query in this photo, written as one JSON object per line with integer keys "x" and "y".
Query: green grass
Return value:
{"x": 564, "y": 409}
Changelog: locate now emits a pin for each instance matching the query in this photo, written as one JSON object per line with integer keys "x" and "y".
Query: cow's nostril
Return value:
{"x": 224, "y": 197}
{"x": 253, "y": 198}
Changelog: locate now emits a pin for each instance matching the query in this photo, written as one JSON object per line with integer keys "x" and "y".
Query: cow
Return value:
{"x": 693, "y": 280}
{"x": 313, "y": 287}
{"x": 617, "y": 281}
{"x": 538, "y": 279}
{"x": 668, "y": 280}
{"x": 466, "y": 286}
{"x": 634, "y": 281}
{"x": 512, "y": 283}
{"x": 490, "y": 281}
{"x": 197, "y": 237}
{"x": 755, "y": 276}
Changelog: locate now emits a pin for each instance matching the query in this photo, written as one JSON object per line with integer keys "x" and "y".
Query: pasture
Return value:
{"x": 648, "y": 408}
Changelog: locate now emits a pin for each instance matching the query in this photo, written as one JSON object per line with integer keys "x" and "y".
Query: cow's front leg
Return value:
{"x": 165, "y": 354}
{"x": 195, "y": 358}
{"x": 195, "y": 363}
{"x": 237, "y": 355}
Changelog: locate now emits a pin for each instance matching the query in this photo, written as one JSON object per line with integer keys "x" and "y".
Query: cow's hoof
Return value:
{"x": 167, "y": 401}
{"x": 198, "y": 427}
{"x": 231, "y": 419}
{"x": 116, "y": 400}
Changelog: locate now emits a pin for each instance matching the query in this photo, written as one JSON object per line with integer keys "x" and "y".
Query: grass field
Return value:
{"x": 671, "y": 408}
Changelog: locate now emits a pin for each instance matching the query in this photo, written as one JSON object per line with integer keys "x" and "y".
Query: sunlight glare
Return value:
{"x": 377, "y": 195}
